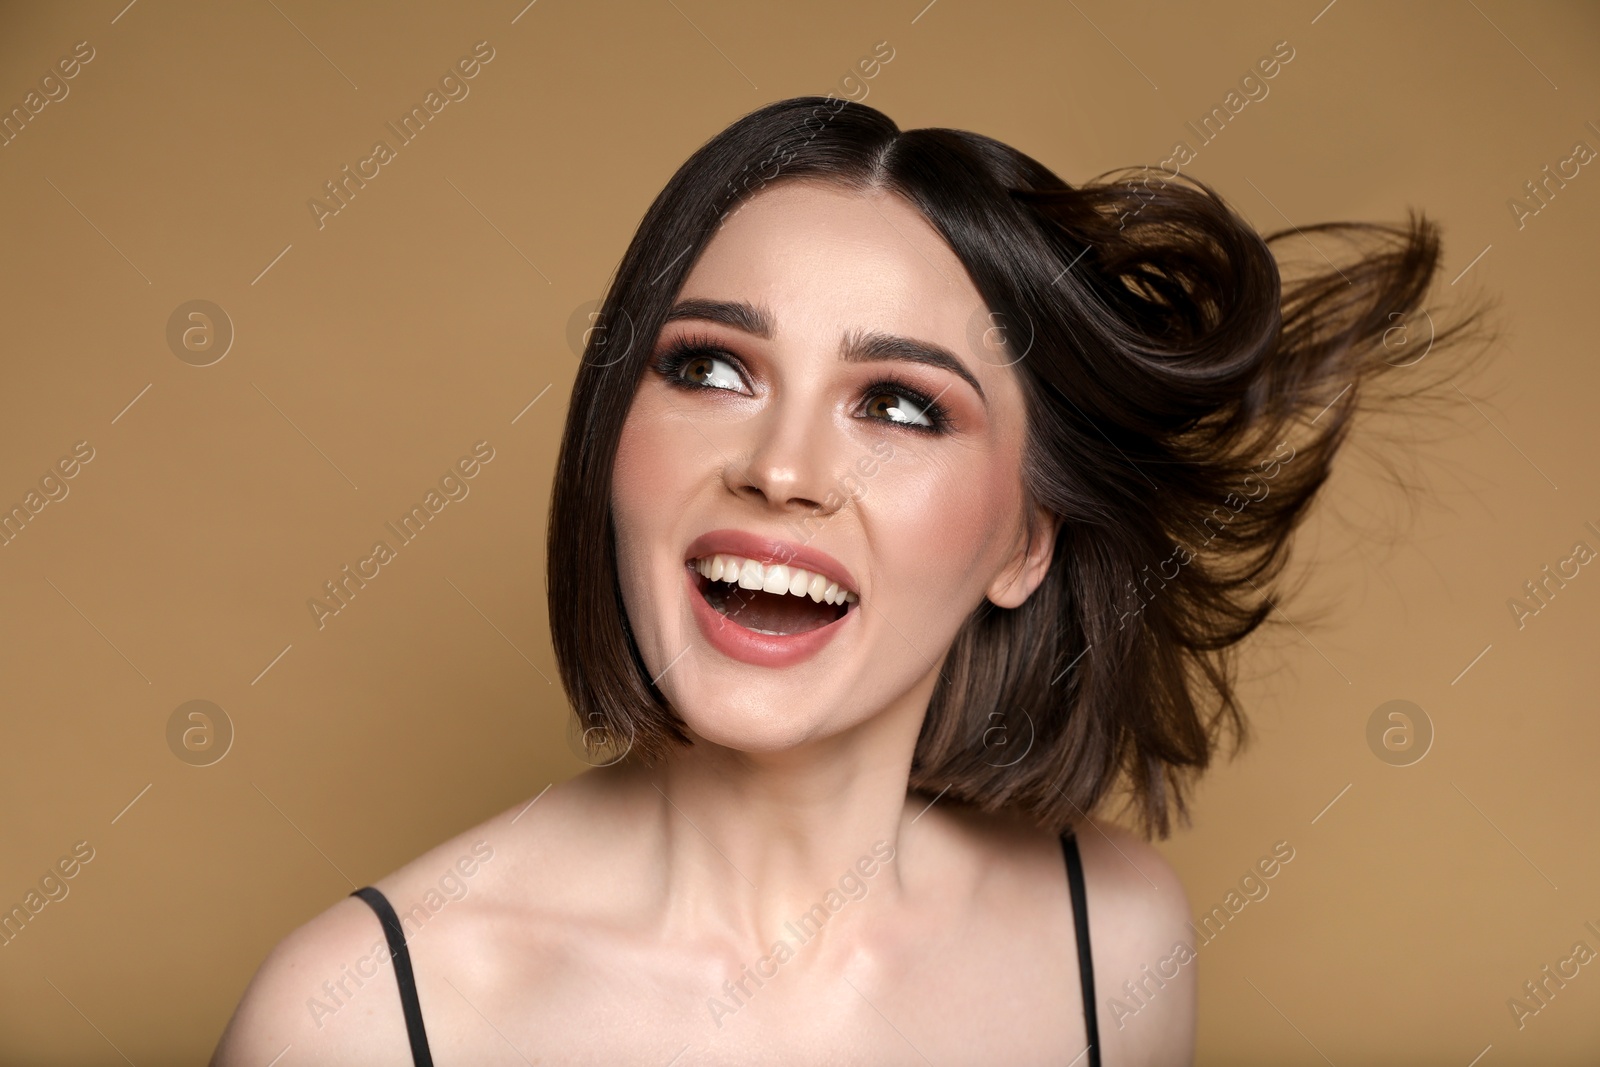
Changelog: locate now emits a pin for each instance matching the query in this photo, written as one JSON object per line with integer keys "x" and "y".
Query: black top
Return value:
{"x": 1080, "y": 922}
{"x": 402, "y": 973}
{"x": 407, "y": 981}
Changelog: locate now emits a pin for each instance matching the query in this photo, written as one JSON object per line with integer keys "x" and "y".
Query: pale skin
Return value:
{"x": 615, "y": 908}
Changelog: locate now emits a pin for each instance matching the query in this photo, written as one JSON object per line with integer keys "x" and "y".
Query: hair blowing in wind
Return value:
{"x": 1184, "y": 404}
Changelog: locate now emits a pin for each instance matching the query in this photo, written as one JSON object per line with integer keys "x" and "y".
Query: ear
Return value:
{"x": 1027, "y": 568}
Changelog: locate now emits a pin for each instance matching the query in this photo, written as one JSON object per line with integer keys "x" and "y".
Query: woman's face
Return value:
{"x": 804, "y": 421}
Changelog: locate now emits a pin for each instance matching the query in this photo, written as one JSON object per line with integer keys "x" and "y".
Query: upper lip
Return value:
{"x": 766, "y": 550}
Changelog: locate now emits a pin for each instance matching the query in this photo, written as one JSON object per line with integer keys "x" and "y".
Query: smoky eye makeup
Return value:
{"x": 698, "y": 362}
{"x": 689, "y": 361}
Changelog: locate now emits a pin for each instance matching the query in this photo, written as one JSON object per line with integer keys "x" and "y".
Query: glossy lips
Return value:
{"x": 740, "y": 642}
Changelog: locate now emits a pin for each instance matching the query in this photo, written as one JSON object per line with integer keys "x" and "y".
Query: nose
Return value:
{"x": 789, "y": 458}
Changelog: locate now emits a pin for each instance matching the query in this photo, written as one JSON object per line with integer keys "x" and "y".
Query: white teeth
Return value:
{"x": 772, "y": 578}
{"x": 777, "y": 578}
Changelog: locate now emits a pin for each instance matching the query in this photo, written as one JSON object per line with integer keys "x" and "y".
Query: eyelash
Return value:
{"x": 684, "y": 350}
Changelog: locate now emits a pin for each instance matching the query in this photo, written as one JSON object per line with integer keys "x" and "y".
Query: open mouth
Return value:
{"x": 770, "y": 598}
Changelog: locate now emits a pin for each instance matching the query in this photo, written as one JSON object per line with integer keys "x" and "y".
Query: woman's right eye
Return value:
{"x": 709, "y": 371}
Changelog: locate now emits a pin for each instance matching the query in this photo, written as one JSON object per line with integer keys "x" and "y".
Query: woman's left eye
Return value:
{"x": 901, "y": 408}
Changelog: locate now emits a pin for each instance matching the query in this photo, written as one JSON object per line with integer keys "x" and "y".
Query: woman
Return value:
{"x": 909, "y": 503}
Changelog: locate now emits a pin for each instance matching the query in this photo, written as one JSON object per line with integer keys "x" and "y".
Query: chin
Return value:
{"x": 762, "y": 723}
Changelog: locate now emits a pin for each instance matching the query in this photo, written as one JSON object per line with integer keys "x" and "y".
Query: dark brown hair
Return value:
{"x": 1183, "y": 400}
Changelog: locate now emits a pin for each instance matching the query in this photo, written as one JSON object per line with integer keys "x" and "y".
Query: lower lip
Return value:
{"x": 746, "y": 645}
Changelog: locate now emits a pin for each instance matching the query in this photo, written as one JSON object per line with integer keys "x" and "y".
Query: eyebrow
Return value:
{"x": 859, "y": 346}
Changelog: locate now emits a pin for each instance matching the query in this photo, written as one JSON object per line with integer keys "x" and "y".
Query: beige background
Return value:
{"x": 430, "y": 312}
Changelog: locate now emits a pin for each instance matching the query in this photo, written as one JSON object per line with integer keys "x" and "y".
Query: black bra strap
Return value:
{"x": 401, "y": 956}
{"x": 1080, "y": 920}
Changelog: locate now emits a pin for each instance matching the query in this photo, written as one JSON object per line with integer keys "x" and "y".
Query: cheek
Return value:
{"x": 950, "y": 522}
{"x": 642, "y": 484}
{"x": 636, "y": 464}
{"x": 649, "y": 460}
{"x": 661, "y": 460}
{"x": 663, "y": 456}
{"x": 938, "y": 530}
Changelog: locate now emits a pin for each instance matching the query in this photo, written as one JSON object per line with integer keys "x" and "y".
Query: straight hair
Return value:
{"x": 1183, "y": 402}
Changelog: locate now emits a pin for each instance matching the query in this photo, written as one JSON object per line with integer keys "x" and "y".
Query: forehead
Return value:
{"x": 824, "y": 259}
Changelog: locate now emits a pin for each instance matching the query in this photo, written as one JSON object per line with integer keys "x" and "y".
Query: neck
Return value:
{"x": 751, "y": 841}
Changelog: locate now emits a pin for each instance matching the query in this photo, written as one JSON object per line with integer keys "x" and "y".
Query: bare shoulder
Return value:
{"x": 287, "y": 1004}
{"x": 1139, "y": 933}
{"x": 314, "y": 992}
